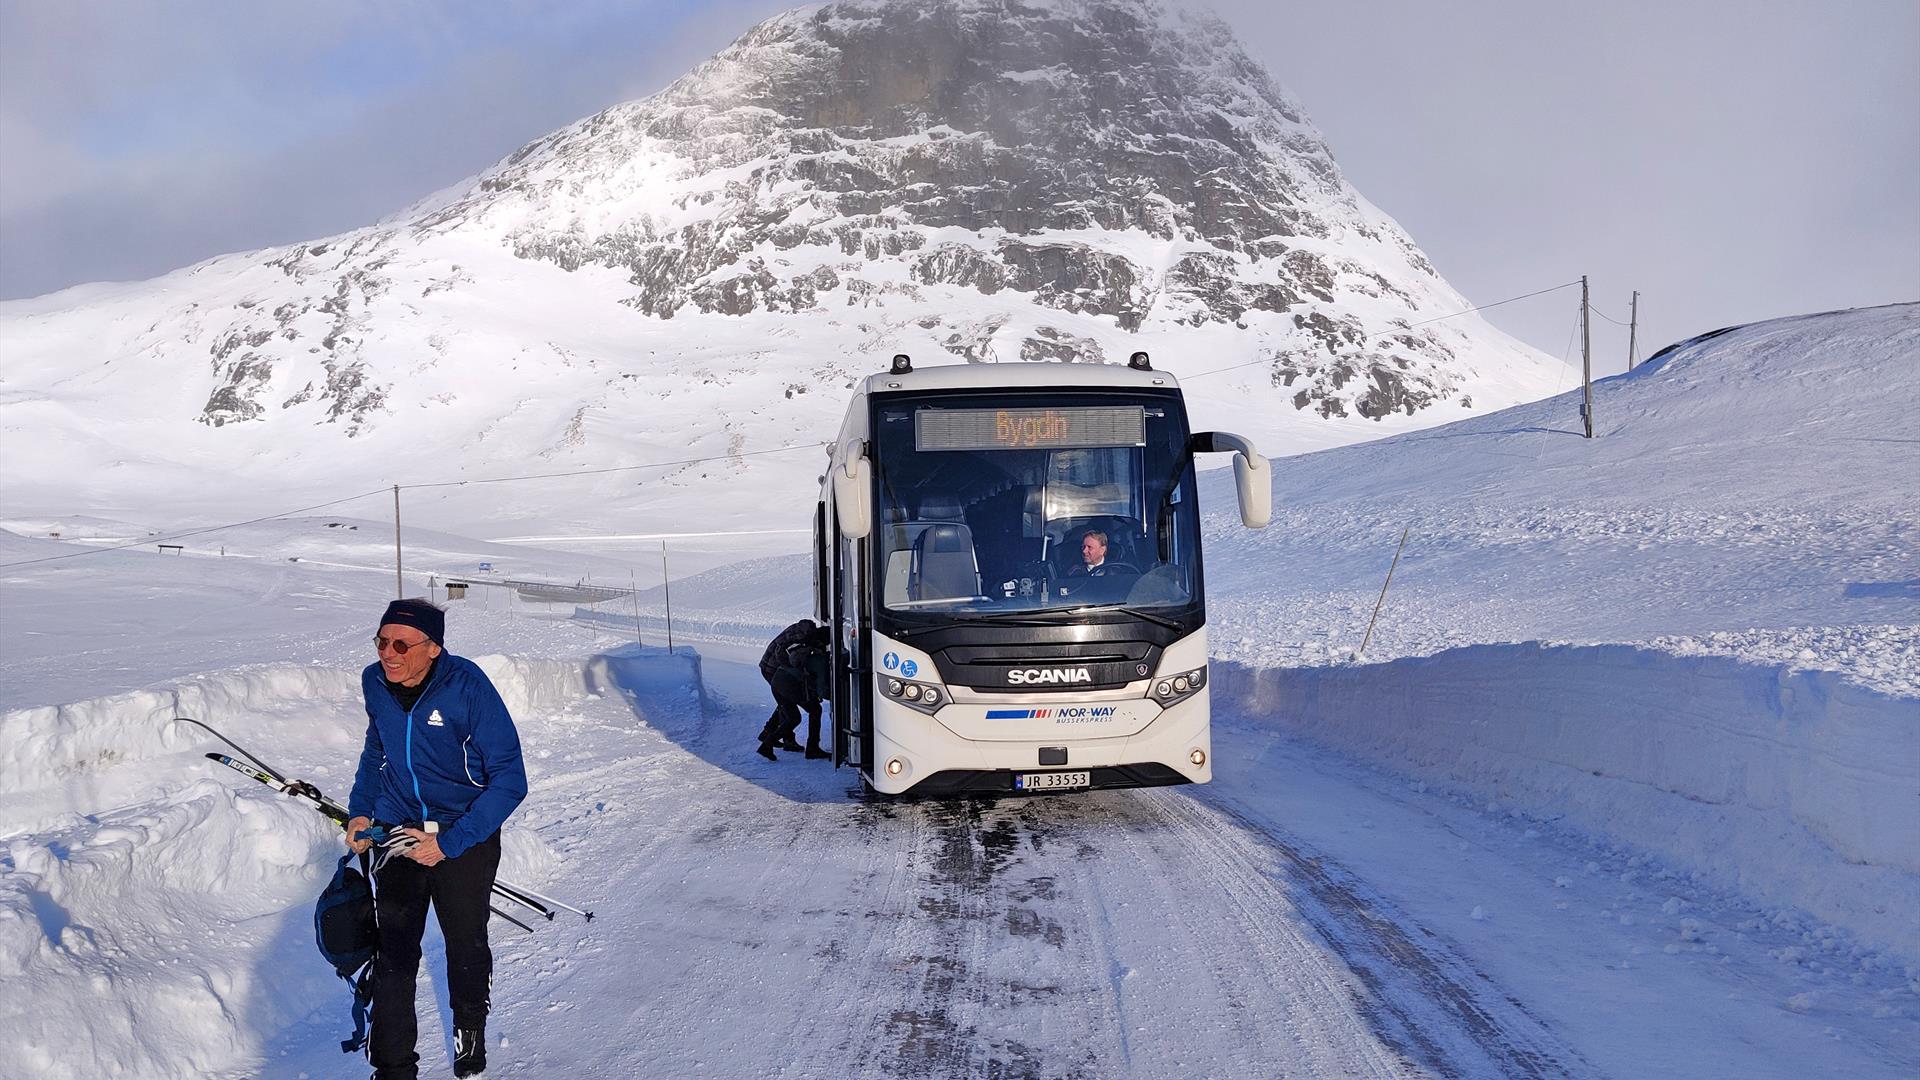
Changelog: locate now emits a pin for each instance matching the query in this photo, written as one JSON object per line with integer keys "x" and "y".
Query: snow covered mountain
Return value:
{"x": 700, "y": 272}
{"x": 1622, "y": 787}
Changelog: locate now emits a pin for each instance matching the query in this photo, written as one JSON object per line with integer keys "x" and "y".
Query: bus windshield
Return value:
{"x": 1002, "y": 504}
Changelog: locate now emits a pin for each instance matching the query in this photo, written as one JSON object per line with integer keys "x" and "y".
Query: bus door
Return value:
{"x": 852, "y": 671}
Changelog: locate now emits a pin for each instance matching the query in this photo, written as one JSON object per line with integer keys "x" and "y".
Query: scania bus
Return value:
{"x": 1009, "y": 559}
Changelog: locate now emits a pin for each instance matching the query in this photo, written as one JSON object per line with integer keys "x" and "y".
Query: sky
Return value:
{"x": 1730, "y": 160}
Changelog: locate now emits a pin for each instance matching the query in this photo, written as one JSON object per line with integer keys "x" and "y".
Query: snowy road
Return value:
{"x": 767, "y": 920}
{"x": 1299, "y": 917}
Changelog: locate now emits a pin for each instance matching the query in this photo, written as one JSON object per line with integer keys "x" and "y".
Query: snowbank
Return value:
{"x": 1796, "y": 787}
{"x": 154, "y": 908}
{"x": 141, "y": 942}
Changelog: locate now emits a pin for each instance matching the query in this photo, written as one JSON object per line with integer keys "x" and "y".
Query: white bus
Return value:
{"x": 1009, "y": 559}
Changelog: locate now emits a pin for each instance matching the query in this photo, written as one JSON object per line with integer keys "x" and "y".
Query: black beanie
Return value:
{"x": 420, "y": 615}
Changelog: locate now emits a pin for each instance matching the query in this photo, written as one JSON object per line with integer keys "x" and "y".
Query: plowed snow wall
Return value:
{"x": 1798, "y": 788}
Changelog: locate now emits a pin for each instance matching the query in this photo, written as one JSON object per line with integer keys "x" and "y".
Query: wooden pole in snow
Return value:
{"x": 1633, "y": 330}
{"x": 1586, "y": 359}
{"x": 1383, "y": 592}
{"x": 633, "y": 589}
{"x": 666, "y": 587}
{"x": 399, "y": 580}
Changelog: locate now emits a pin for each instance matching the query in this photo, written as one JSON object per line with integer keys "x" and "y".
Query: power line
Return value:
{"x": 1596, "y": 310}
{"x": 614, "y": 469}
{"x": 1400, "y": 330}
{"x": 193, "y": 532}
{"x": 411, "y": 487}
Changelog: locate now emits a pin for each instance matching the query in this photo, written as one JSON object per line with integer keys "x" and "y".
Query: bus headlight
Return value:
{"x": 895, "y": 767}
{"x": 1174, "y": 688}
{"x": 1198, "y": 757}
{"x": 921, "y": 697}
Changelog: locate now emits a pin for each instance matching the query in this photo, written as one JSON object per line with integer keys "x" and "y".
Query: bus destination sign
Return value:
{"x": 1025, "y": 429}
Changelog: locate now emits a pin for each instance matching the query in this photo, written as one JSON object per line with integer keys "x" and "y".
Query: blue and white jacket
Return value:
{"x": 454, "y": 759}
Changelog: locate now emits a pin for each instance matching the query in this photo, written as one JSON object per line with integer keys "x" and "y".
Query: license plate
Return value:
{"x": 1048, "y": 781}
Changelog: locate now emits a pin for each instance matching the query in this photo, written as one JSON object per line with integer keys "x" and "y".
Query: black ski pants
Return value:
{"x": 458, "y": 889}
{"x": 790, "y": 696}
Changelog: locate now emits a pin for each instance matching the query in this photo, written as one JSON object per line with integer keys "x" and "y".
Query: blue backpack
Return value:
{"x": 344, "y": 926}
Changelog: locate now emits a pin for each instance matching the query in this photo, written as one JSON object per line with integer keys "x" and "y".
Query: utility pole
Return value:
{"x": 666, "y": 587}
{"x": 1633, "y": 330}
{"x": 633, "y": 591}
{"x": 399, "y": 581}
{"x": 1395, "y": 565}
{"x": 1586, "y": 359}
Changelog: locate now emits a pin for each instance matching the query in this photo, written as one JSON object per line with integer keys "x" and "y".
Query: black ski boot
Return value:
{"x": 814, "y": 753}
{"x": 766, "y": 751}
{"x": 788, "y": 744}
{"x": 469, "y": 1051}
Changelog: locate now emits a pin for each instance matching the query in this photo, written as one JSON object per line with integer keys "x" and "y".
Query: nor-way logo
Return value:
{"x": 1059, "y": 714}
{"x": 1025, "y": 676}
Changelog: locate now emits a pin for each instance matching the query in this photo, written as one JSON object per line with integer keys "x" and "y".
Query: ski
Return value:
{"x": 297, "y": 789}
{"x": 244, "y": 752}
{"x": 255, "y": 769}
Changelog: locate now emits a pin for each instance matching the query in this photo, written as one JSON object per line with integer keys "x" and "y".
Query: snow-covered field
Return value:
{"x": 1625, "y": 785}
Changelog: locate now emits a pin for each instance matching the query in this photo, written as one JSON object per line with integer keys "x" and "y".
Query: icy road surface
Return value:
{"x": 772, "y": 918}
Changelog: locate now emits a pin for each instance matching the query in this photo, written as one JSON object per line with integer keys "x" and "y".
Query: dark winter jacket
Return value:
{"x": 453, "y": 758}
{"x": 775, "y": 657}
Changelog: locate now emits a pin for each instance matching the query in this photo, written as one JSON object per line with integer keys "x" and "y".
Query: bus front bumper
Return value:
{"x": 934, "y": 760}
{"x": 1000, "y": 781}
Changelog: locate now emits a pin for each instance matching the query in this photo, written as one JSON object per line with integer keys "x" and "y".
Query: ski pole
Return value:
{"x": 556, "y": 903}
{"x": 510, "y": 918}
{"x": 509, "y": 894}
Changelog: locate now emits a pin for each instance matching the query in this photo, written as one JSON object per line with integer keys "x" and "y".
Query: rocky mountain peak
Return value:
{"x": 993, "y": 180}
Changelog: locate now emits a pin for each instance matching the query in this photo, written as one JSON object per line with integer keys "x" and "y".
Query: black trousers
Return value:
{"x": 458, "y": 890}
{"x": 789, "y": 697}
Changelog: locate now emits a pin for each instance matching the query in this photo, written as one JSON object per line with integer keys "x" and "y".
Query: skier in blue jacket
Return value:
{"x": 442, "y": 760}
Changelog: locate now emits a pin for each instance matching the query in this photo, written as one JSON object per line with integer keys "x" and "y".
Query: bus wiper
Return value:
{"x": 1021, "y": 618}
{"x": 1133, "y": 611}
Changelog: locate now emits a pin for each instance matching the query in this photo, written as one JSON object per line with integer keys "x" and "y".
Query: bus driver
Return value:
{"x": 1093, "y": 555}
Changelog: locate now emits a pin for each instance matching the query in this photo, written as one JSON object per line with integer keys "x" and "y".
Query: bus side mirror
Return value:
{"x": 1252, "y": 476}
{"x": 853, "y": 497}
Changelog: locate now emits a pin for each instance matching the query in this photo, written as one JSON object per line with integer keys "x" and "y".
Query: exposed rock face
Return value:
{"x": 863, "y": 127}
{"x": 1006, "y": 180}
{"x": 1117, "y": 159}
